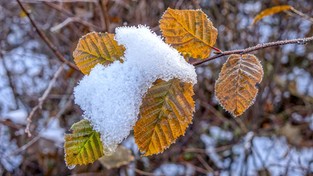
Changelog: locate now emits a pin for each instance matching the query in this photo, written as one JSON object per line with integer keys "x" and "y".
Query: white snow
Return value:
{"x": 274, "y": 154}
{"x": 131, "y": 145}
{"x": 309, "y": 119}
{"x": 255, "y": 153}
{"x": 302, "y": 78}
{"x": 54, "y": 132}
{"x": 9, "y": 160}
{"x": 170, "y": 169}
{"x": 216, "y": 134}
{"x": 110, "y": 96}
{"x": 17, "y": 116}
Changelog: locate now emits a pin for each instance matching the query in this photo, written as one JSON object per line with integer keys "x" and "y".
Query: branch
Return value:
{"x": 70, "y": 1}
{"x": 300, "y": 41}
{"x": 46, "y": 39}
{"x": 42, "y": 99}
{"x": 105, "y": 20}
{"x": 72, "y": 16}
{"x": 302, "y": 14}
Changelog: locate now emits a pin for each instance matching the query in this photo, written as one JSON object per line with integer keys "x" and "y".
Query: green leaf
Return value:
{"x": 83, "y": 146}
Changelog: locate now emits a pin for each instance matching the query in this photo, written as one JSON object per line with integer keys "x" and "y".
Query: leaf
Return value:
{"x": 165, "y": 114}
{"x": 235, "y": 88}
{"x": 95, "y": 48}
{"x": 83, "y": 146}
{"x": 292, "y": 133}
{"x": 271, "y": 11}
{"x": 189, "y": 31}
{"x": 120, "y": 157}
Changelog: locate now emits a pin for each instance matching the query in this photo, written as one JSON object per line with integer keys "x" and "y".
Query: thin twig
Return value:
{"x": 104, "y": 15}
{"x": 68, "y": 1}
{"x": 198, "y": 169}
{"x": 42, "y": 99}
{"x": 25, "y": 146}
{"x": 73, "y": 17}
{"x": 178, "y": 4}
{"x": 305, "y": 16}
{"x": 64, "y": 108}
{"x": 205, "y": 164}
{"x": 300, "y": 41}
{"x": 141, "y": 172}
{"x": 46, "y": 39}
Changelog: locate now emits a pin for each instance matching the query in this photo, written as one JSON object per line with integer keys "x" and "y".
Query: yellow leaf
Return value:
{"x": 28, "y": 8}
{"x": 271, "y": 11}
{"x": 165, "y": 114}
{"x": 235, "y": 88}
{"x": 83, "y": 146}
{"x": 22, "y": 14}
{"x": 189, "y": 31}
{"x": 95, "y": 48}
{"x": 120, "y": 157}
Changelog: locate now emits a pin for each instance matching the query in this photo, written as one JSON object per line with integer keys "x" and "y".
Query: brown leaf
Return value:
{"x": 235, "y": 88}
{"x": 120, "y": 157}
{"x": 292, "y": 133}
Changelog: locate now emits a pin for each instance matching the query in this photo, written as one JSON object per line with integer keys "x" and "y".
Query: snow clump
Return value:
{"x": 110, "y": 96}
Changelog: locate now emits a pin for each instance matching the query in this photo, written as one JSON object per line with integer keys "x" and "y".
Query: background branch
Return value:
{"x": 104, "y": 15}
{"x": 42, "y": 99}
{"x": 46, "y": 39}
{"x": 300, "y": 41}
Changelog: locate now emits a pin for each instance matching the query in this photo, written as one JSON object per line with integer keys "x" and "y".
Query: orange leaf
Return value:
{"x": 235, "y": 88}
{"x": 189, "y": 31}
{"x": 271, "y": 11}
{"x": 97, "y": 48}
{"x": 165, "y": 114}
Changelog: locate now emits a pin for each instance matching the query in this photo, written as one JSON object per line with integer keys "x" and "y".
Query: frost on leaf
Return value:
{"x": 235, "y": 88}
{"x": 110, "y": 96}
{"x": 97, "y": 48}
{"x": 83, "y": 146}
{"x": 165, "y": 114}
{"x": 189, "y": 31}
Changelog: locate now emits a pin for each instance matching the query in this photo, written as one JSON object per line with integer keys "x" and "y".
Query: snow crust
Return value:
{"x": 110, "y": 96}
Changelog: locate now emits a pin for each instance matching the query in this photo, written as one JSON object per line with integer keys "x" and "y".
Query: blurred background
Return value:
{"x": 273, "y": 137}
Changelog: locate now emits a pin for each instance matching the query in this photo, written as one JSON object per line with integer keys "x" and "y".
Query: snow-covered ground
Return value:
{"x": 255, "y": 153}
{"x": 9, "y": 160}
{"x": 30, "y": 73}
